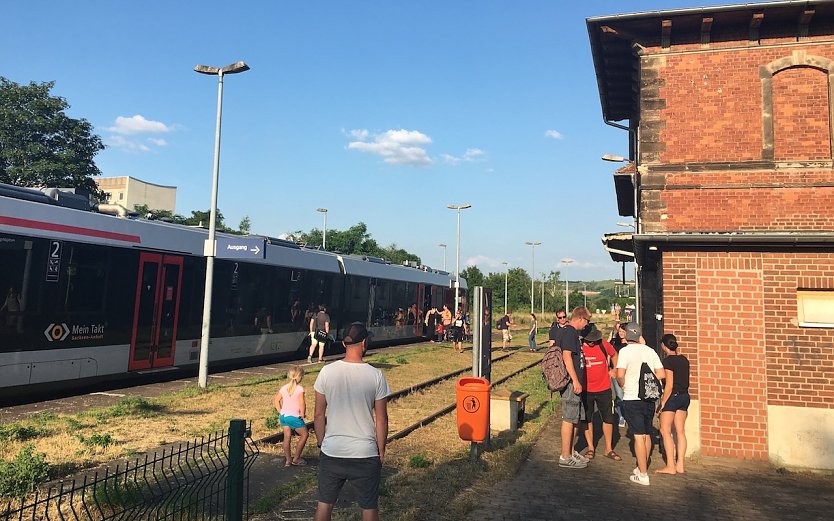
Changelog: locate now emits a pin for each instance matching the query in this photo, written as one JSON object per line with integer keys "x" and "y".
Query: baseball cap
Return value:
{"x": 633, "y": 332}
{"x": 355, "y": 333}
{"x": 594, "y": 335}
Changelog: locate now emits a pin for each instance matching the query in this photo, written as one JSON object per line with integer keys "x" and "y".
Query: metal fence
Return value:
{"x": 204, "y": 479}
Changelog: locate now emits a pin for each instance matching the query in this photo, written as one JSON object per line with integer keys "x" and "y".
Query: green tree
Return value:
{"x": 356, "y": 240}
{"x": 39, "y": 144}
{"x": 245, "y": 225}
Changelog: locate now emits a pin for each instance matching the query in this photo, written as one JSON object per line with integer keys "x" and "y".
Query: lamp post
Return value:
{"x": 542, "y": 294}
{"x": 566, "y": 262}
{"x": 324, "y": 231}
{"x": 210, "y": 247}
{"x": 506, "y": 273}
{"x": 444, "y": 255}
{"x": 458, "y": 208}
{"x": 532, "y": 272}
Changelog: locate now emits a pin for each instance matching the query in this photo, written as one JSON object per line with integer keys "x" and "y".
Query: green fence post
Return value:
{"x": 234, "y": 481}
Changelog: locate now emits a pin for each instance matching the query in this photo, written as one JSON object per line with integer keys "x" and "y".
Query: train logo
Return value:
{"x": 57, "y": 332}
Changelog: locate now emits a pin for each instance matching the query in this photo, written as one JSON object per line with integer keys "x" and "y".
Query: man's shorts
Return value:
{"x": 604, "y": 404}
{"x": 677, "y": 402}
{"x": 293, "y": 422}
{"x": 506, "y": 334}
{"x": 573, "y": 406}
{"x": 363, "y": 473}
{"x": 639, "y": 415}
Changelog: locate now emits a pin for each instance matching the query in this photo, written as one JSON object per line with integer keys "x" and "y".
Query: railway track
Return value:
{"x": 437, "y": 383}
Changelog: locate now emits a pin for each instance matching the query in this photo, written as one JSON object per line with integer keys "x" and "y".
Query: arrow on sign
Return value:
{"x": 256, "y": 250}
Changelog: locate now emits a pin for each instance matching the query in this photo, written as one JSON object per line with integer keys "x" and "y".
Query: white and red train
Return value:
{"x": 91, "y": 295}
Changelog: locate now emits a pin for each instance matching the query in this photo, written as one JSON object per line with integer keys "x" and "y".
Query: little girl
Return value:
{"x": 291, "y": 406}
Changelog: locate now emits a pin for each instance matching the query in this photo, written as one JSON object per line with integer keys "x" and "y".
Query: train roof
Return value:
{"x": 42, "y": 213}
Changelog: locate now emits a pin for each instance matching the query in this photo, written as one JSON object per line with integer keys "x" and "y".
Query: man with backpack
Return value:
{"x": 573, "y": 406}
{"x": 637, "y": 366}
{"x": 597, "y": 353}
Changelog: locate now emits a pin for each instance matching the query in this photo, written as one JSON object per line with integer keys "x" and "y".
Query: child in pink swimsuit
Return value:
{"x": 291, "y": 410}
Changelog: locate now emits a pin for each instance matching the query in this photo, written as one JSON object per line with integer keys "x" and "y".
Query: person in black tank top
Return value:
{"x": 674, "y": 405}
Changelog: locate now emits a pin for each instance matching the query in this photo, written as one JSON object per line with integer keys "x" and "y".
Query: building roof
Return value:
{"x": 616, "y": 40}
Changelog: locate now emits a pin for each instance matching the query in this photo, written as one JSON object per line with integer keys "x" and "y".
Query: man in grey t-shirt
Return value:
{"x": 351, "y": 424}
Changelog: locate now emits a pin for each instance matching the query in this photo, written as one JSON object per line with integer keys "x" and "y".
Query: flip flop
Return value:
{"x": 590, "y": 454}
{"x": 614, "y": 456}
{"x": 300, "y": 462}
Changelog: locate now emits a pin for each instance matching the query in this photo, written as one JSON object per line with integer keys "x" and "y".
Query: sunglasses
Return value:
{"x": 561, "y": 316}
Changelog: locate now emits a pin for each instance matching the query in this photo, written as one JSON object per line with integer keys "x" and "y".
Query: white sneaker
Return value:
{"x": 572, "y": 463}
{"x": 580, "y": 457}
{"x": 640, "y": 479}
{"x": 622, "y": 422}
{"x": 636, "y": 471}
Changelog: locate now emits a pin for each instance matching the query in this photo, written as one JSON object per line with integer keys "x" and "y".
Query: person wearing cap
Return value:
{"x": 351, "y": 425}
{"x": 597, "y": 353}
{"x": 573, "y": 405}
{"x": 638, "y": 413}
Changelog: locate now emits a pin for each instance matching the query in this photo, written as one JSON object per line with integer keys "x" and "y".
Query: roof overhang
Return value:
{"x": 617, "y": 40}
{"x": 620, "y": 246}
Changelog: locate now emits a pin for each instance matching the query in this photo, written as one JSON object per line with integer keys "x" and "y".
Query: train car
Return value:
{"x": 92, "y": 295}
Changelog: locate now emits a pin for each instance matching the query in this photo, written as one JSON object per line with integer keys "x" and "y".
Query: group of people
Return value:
{"x": 351, "y": 424}
{"x": 441, "y": 324}
{"x": 596, "y": 368}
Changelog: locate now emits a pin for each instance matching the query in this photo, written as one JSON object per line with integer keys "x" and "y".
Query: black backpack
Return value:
{"x": 649, "y": 386}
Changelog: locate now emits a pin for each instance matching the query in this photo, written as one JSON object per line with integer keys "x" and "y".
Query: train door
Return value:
{"x": 155, "y": 317}
{"x": 419, "y": 300}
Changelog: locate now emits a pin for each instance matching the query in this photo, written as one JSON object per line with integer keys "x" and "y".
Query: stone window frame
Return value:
{"x": 766, "y": 72}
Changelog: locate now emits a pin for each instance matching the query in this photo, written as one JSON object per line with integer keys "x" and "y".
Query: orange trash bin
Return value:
{"x": 472, "y": 398}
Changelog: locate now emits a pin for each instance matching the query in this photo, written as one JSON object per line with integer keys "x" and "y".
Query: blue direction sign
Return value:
{"x": 241, "y": 248}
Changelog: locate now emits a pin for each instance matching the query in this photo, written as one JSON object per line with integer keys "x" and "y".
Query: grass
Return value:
{"x": 141, "y": 425}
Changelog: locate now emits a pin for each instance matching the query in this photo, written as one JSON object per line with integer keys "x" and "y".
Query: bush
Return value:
{"x": 272, "y": 422}
{"x": 418, "y": 461}
{"x": 18, "y": 432}
{"x": 21, "y": 476}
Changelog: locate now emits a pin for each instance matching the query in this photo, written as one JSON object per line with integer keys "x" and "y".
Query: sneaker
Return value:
{"x": 640, "y": 479}
{"x": 622, "y": 422}
{"x": 580, "y": 457}
{"x": 309, "y": 359}
{"x": 572, "y": 463}
{"x": 636, "y": 471}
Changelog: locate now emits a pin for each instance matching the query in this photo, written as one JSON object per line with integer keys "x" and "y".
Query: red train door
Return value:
{"x": 156, "y": 314}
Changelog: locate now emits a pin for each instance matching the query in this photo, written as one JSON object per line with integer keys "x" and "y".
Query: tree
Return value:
{"x": 245, "y": 225}
{"x": 354, "y": 241}
{"x": 39, "y": 144}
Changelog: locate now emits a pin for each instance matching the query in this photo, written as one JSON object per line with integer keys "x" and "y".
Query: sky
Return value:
{"x": 383, "y": 112}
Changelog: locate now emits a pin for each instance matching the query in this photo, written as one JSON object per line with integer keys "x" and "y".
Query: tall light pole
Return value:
{"x": 567, "y": 261}
{"x": 444, "y": 255}
{"x": 458, "y": 208}
{"x": 532, "y": 272}
{"x": 324, "y": 231}
{"x": 542, "y": 294}
{"x": 210, "y": 247}
{"x": 506, "y": 273}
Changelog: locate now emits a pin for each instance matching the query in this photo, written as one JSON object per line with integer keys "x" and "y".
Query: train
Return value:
{"x": 94, "y": 292}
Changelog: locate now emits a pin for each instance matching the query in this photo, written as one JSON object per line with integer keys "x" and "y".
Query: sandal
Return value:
{"x": 614, "y": 456}
{"x": 590, "y": 453}
{"x": 300, "y": 463}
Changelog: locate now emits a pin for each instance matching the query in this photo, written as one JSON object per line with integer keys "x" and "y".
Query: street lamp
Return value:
{"x": 532, "y": 272}
{"x": 542, "y": 294}
{"x": 567, "y": 261}
{"x": 458, "y": 208}
{"x": 444, "y": 255}
{"x": 210, "y": 246}
{"x": 324, "y": 232}
{"x": 506, "y": 273}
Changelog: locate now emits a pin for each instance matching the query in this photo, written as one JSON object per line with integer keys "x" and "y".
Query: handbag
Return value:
{"x": 649, "y": 387}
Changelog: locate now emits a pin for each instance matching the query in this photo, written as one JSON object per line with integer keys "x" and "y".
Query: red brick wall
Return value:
{"x": 735, "y": 315}
{"x": 713, "y": 105}
{"x": 800, "y": 114}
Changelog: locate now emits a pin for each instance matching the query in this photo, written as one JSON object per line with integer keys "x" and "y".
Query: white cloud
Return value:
{"x": 126, "y": 144}
{"x": 158, "y": 141}
{"x": 395, "y": 147}
{"x": 138, "y": 125}
{"x": 483, "y": 261}
{"x": 471, "y": 154}
{"x": 553, "y": 134}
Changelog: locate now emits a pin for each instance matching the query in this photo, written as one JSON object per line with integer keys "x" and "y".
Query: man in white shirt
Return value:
{"x": 351, "y": 424}
{"x": 638, "y": 413}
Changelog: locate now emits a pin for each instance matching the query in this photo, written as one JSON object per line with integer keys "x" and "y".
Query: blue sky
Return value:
{"x": 382, "y": 112}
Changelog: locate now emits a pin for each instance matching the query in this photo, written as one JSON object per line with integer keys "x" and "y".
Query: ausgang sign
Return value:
{"x": 240, "y": 248}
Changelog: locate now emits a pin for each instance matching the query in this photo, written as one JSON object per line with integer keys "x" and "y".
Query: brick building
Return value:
{"x": 729, "y": 116}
